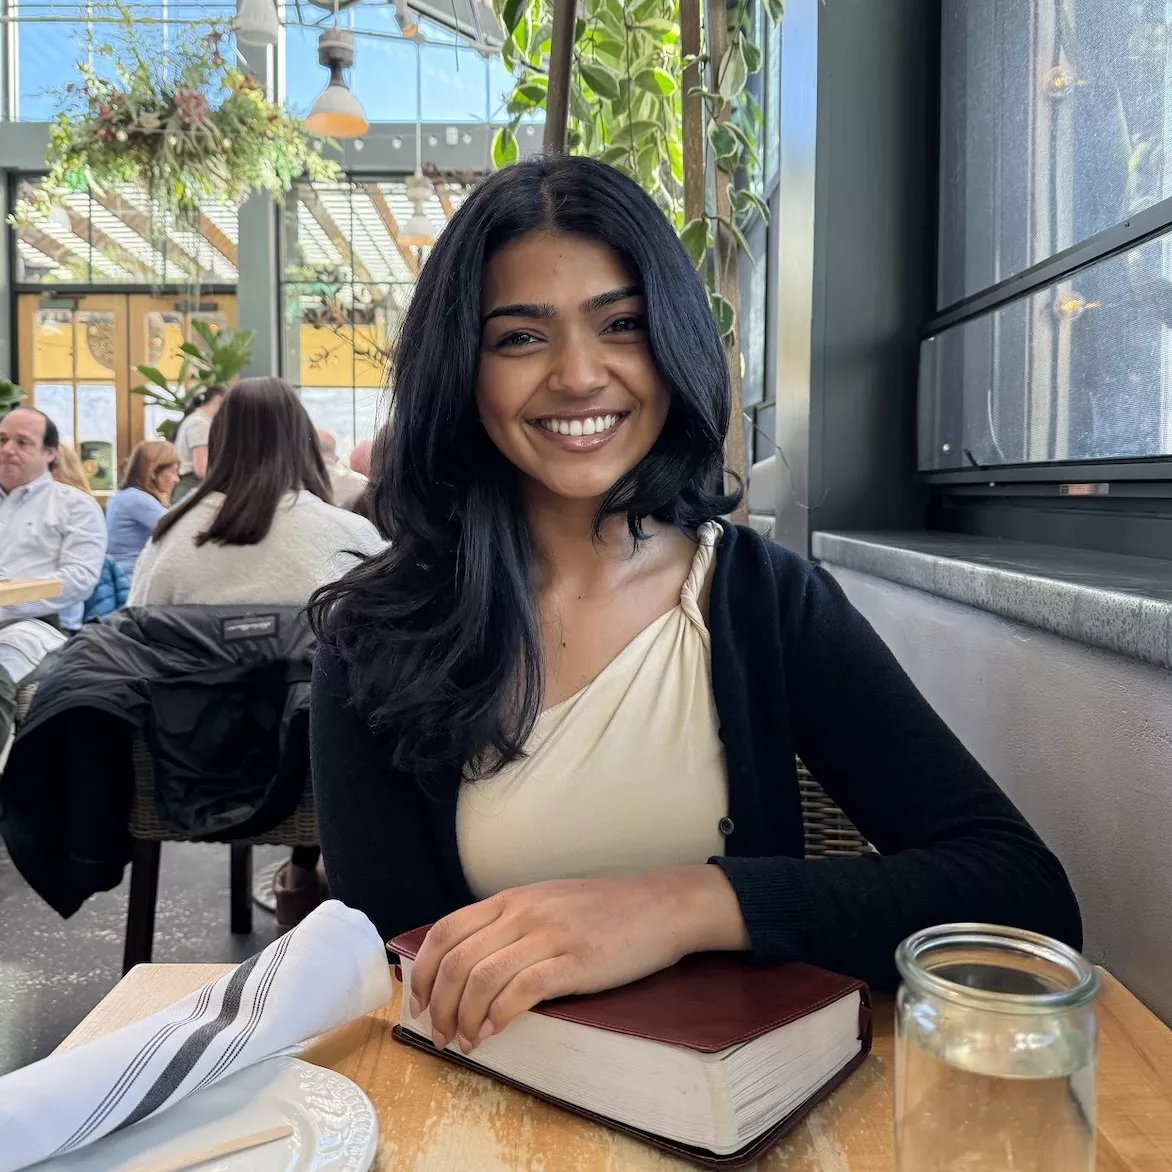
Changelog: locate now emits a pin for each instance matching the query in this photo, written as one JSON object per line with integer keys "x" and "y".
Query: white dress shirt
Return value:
{"x": 50, "y": 530}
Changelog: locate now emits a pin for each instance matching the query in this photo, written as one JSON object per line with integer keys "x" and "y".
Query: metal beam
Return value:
{"x": 140, "y": 223}
{"x": 312, "y": 201}
{"x": 379, "y": 202}
{"x": 444, "y": 196}
{"x": 218, "y": 241}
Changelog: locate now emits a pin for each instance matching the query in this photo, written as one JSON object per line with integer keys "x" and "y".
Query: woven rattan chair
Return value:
{"x": 830, "y": 833}
{"x": 148, "y": 833}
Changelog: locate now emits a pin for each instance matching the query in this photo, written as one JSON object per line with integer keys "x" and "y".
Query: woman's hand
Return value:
{"x": 487, "y": 963}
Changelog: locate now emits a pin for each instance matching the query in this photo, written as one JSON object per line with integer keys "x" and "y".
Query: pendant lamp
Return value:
{"x": 257, "y": 23}
{"x": 336, "y": 112}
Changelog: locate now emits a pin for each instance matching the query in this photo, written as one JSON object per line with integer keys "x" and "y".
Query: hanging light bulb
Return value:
{"x": 257, "y": 23}
{"x": 418, "y": 231}
{"x": 336, "y": 112}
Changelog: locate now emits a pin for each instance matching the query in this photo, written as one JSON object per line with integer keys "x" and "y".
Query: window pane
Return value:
{"x": 332, "y": 410}
{"x": 97, "y": 428}
{"x": 53, "y": 344}
{"x": 56, "y": 400}
{"x": 46, "y": 53}
{"x": 1081, "y": 370}
{"x": 117, "y": 237}
{"x": 1054, "y": 127}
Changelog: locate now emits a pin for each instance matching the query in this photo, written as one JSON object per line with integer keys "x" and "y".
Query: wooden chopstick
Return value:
{"x": 228, "y": 1147}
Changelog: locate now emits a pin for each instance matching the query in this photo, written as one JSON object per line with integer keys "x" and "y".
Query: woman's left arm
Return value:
{"x": 951, "y": 846}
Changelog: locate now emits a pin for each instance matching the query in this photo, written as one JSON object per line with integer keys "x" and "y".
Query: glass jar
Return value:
{"x": 995, "y": 1049}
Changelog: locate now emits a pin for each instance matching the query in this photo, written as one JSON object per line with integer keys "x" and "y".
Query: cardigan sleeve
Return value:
{"x": 374, "y": 827}
{"x": 950, "y": 845}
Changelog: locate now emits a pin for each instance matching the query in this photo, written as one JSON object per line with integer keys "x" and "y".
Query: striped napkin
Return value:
{"x": 327, "y": 971}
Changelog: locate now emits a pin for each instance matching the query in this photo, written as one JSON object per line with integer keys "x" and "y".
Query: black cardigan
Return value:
{"x": 795, "y": 670}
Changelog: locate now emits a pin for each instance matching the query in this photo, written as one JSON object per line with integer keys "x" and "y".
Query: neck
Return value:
{"x": 562, "y": 532}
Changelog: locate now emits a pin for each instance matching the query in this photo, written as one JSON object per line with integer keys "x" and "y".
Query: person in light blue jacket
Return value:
{"x": 152, "y": 471}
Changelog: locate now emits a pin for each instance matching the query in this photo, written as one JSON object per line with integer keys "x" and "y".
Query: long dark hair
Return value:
{"x": 439, "y": 633}
{"x": 261, "y": 446}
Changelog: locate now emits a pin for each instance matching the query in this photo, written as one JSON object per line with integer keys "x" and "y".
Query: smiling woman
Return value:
{"x": 558, "y": 715}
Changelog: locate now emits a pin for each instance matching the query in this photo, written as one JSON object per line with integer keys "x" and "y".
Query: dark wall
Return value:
{"x": 856, "y": 262}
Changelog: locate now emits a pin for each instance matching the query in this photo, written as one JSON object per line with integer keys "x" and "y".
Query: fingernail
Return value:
{"x": 438, "y": 1039}
{"x": 486, "y": 1031}
{"x": 465, "y": 1045}
{"x": 416, "y": 1006}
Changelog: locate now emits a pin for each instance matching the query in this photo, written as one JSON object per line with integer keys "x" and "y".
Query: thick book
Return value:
{"x": 713, "y": 1059}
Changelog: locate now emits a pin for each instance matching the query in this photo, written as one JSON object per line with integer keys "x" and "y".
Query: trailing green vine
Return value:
{"x": 626, "y": 110}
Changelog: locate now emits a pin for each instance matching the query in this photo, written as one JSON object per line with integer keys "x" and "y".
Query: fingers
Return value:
{"x": 487, "y": 980}
{"x": 486, "y": 950}
{"x": 557, "y": 976}
{"x": 445, "y": 935}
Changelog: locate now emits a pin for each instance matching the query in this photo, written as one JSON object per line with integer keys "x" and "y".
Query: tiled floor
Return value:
{"x": 53, "y": 971}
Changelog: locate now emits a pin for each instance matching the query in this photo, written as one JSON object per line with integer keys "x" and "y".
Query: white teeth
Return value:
{"x": 594, "y": 425}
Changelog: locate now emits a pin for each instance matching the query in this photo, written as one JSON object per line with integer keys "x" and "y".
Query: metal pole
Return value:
{"x": 561, "y": 57}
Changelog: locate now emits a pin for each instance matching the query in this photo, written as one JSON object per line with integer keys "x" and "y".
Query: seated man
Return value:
{"x": 347, "y": 484}
{"x": 47, "y": 530}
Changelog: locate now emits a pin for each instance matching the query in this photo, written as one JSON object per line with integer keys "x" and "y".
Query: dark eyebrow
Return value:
{"x": 590, "y": 305}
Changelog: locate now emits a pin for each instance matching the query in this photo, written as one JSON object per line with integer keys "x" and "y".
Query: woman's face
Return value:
{"x": 167, "y": 478}
{"x": 567, "y": 389}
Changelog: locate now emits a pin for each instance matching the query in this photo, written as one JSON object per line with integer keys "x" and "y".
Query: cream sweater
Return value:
{"x": 310, "y": 543}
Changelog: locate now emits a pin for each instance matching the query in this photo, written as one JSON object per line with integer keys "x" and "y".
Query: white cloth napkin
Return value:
{"x": 327, "y": 971}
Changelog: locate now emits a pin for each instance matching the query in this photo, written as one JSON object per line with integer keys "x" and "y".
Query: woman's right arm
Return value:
{"x": 199, "y": 461}
{"x": 374, "y": 825}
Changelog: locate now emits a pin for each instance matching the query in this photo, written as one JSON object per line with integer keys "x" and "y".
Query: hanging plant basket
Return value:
{"x": 188, "y": 128}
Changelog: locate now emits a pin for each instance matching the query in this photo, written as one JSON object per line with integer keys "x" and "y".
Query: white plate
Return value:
{"x": 335, "y": 1128}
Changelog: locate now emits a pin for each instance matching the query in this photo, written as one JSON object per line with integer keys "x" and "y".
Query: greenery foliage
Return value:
{"x": 10, "y": 395}
{"x": 625, "y": 107}
{"x": 187, "y": 125}
{"x": 216, "y": 357}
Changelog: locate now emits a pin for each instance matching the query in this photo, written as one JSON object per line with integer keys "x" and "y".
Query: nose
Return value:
{"x": 577, "y": 366}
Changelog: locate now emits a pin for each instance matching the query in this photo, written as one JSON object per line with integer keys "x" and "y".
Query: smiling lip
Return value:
{"x": 605, "y": 426}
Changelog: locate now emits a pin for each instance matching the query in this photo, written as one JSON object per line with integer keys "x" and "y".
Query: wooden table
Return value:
{"x": 436, "y": 1117}
{"x": 14, "y": 590}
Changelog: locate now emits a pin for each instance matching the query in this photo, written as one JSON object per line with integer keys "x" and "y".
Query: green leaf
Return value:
{"x": 613, "y": 155}
{"x": 632, "y": 132}
{"x": 580, "y": 27}
{"x": 694, "y": 238}
{"x": 743, "y": 201}
{"x": 194, "y": 351}
{"x": 512, "y": 12}
{"x": 725, "y": 144}
{"x": 733, "y": 71}
{"x": 776, "y": 9}
{"x": 579, "y": 107}
{"x": 723, "y": 312}
{"x": 656, "y": 81}
{"x": 504, "y": 148}
{"x": 645, "y": 10}
{"x": 731, "y": 227}
{"x": 531, "y": 94}
{"x": 154, "y": 375}
{"x": 659, "y": 25}
{"x": 600, "y": 79}
{"x": 752, "y": 56}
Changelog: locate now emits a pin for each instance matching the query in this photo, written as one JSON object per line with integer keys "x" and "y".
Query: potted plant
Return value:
{"x": 186, "y": 126}
{"x": 216, "y": 357}
{"x": 10, "y": 395}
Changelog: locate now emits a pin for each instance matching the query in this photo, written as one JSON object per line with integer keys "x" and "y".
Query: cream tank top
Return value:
{"x": 627, "y": 775}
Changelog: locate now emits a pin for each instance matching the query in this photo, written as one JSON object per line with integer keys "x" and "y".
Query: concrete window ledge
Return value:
{"x": 1122, "y": 604}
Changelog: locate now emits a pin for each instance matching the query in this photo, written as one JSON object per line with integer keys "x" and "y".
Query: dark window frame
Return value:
{"x": 1114, "y": 505}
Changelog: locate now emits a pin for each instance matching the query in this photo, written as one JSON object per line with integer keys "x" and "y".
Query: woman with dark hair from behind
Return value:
{"x": 258, "y": 529}
{"x": 191, "y": 439}
{"x": 557, "y": 716}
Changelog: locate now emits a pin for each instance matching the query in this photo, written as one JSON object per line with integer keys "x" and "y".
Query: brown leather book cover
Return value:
{"x": 708, "y": 1002}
